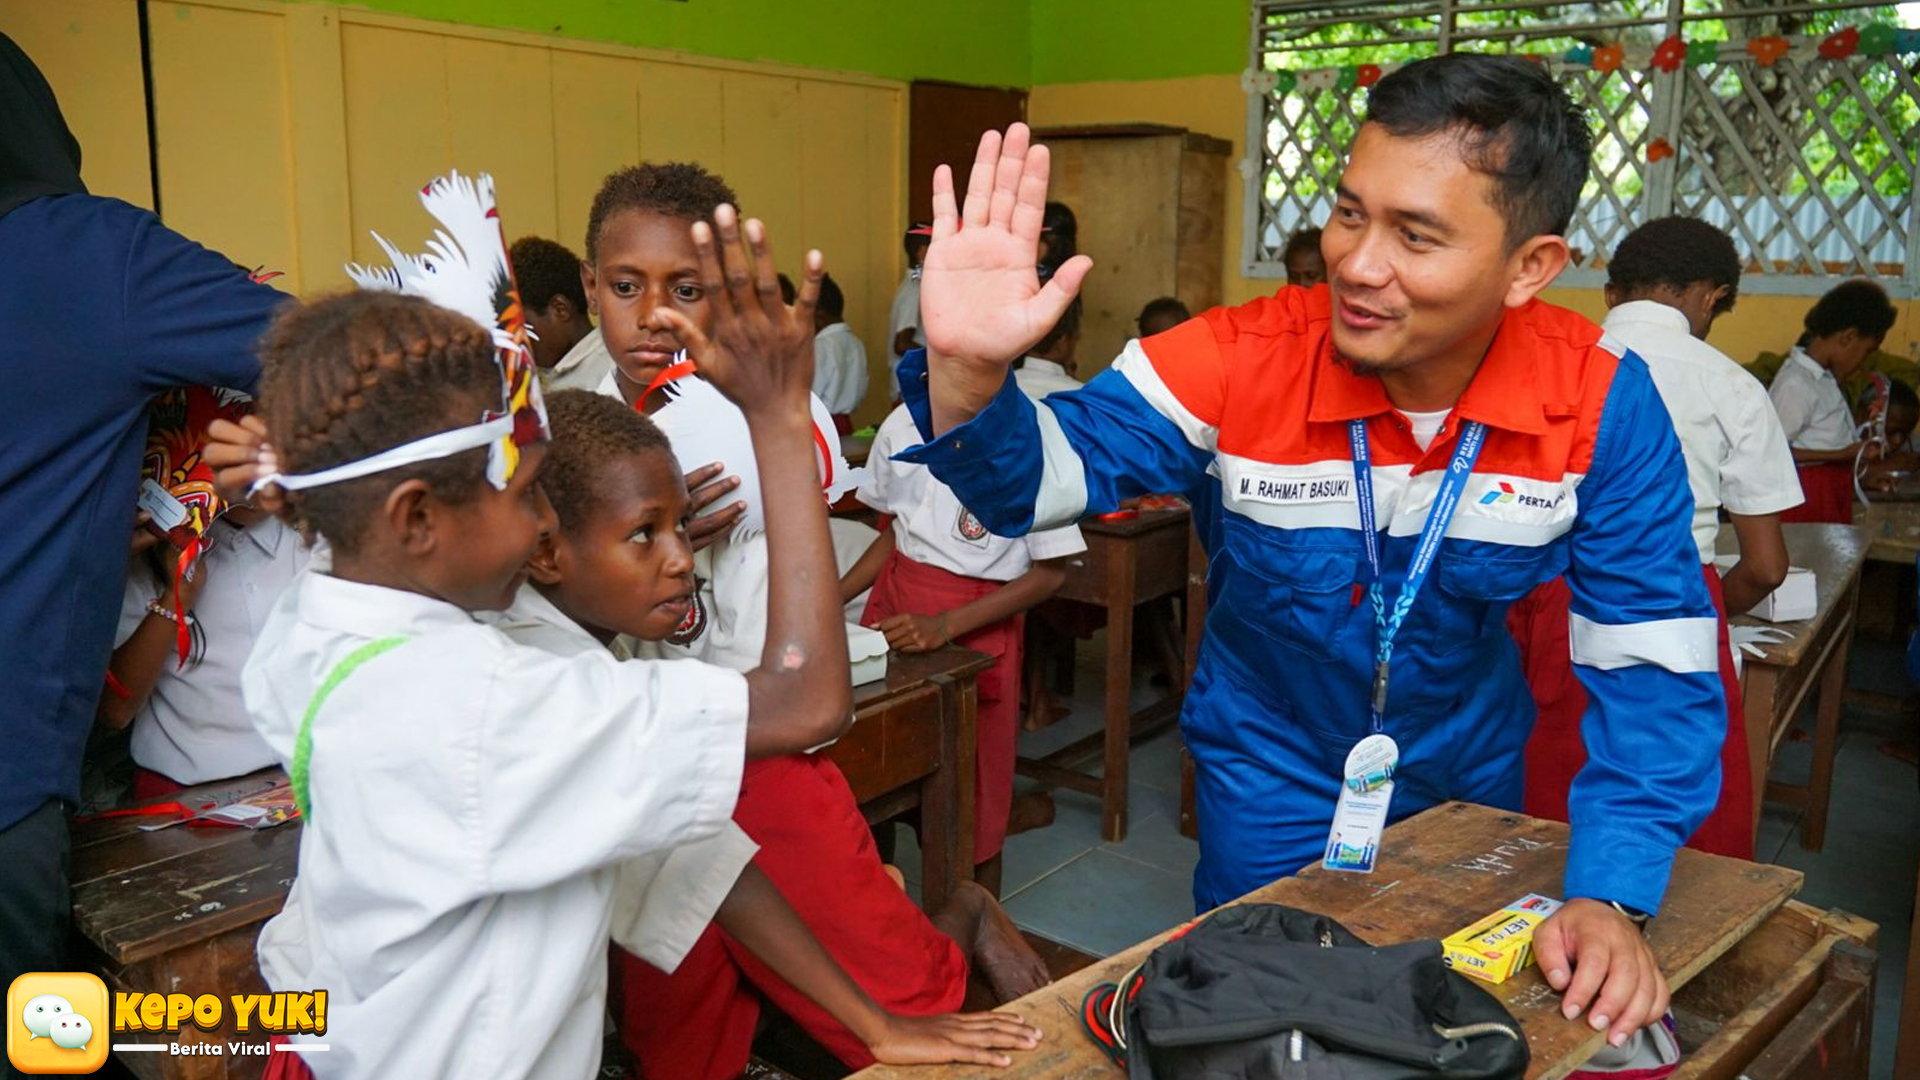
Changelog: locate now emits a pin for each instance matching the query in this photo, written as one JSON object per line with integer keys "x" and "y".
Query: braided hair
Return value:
{"x": 354, "y": 374}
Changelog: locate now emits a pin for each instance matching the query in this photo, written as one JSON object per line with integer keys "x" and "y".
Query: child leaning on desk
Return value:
{"x": 189, "y": 724}
{"x": 470, "y": 800}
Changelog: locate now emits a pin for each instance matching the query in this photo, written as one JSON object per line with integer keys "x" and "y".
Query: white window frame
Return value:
{"x": 1662, "y": 98}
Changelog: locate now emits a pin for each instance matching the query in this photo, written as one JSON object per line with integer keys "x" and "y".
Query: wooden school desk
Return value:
{"x": 912, "y": 744}
{"x": 178, "y": 911}
{"x": 1127, "y": 563}
{"x": 1892, "y": 529}
{"x": 1764, "y": 988}
{"x": 1810, "y": 663}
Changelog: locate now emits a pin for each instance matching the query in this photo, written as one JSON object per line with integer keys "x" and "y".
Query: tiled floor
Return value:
{"x": 1064, "y": 883}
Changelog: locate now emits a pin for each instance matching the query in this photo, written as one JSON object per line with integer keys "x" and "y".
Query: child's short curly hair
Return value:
{"x": 350, "y": 375}
{"x": 589, "y": 431}
{"x": 1676, "y": 251}
{"x": 544, "y": 269}
{"x": 677, "y": 189}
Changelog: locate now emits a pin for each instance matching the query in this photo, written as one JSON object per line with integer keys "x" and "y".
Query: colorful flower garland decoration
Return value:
{"x": 1875, "y": 39}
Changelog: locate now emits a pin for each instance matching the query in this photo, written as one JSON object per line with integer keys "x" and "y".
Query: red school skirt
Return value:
{"x": 697, "y": 1023}
{"x": 908, "y": 587}
{"x": 1829, "y": 495}
{"x": 1556, "y": 751}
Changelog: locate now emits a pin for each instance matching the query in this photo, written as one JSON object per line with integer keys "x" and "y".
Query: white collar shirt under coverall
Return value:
{"x": 1812, "y": 408}
{"x": 471, "y": 798}
{"x": 931, "y": 526}
{"x": 1737, "y": 455}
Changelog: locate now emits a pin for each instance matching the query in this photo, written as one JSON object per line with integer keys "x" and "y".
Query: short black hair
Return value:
{"x": 677, "y": 189}
{"x": 1676, "y": 251}
{"x": 911, "y": 240}
{"x": 590, "y": 430}
{"x": 788, "y": 294}
{"x": 1165, "y": 307}
{"x": 1859, "y": 305}
{"x": 544, "y": 269}
{"x": 1068, "y": 326}
{"x": 1514, "y": 123}
{"x": 1307, "y": 239}
{"x": 1063, "y": 232}
{"x": 833, "y": 302}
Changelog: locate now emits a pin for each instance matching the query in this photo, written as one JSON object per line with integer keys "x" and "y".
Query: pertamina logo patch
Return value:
{"x": 1507, "y": 496}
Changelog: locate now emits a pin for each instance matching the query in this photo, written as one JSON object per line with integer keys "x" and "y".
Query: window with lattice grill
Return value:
{"x": 1809, "y": 161}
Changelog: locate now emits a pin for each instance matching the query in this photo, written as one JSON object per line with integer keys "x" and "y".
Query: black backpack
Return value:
{"x": 1265, "y": 992}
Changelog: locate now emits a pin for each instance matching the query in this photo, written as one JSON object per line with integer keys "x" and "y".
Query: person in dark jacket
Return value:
{"x": 103, "y": 307}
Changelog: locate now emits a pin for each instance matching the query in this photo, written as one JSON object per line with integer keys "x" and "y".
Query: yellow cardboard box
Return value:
{"x": 1496, "y": 947}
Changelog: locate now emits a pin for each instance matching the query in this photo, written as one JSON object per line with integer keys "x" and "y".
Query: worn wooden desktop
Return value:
{"x": 912, "y": 744}
{"x": 1892, "y": 529}
{"x": 1761, "y": 983}
{"x": 1128, "y": 562}
{"x": 179, "y": 909}
{"x": 1810, "y": 664}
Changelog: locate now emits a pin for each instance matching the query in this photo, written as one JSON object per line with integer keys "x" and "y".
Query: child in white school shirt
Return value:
{"x": 1842, "y": 329}
{"x": 468, "y": 798}
{"x": 189, "y": 723}
{"x": 939, "y": 577}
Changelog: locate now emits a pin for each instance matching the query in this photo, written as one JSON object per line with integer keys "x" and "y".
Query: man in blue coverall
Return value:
{"x": 1387, "y": 462}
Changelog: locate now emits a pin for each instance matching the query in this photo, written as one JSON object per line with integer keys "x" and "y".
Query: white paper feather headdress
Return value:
{"x": 464, "y": 269}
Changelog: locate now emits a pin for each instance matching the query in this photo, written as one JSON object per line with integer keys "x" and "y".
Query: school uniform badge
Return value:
{"x": 969, "y": 527}
{"x": 694, "y": 625}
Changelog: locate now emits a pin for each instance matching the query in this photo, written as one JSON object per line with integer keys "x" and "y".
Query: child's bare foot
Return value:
{"x": 893, "y": 872}
{"x": 1031, "y": 811}
{"x": 994, "y": 946}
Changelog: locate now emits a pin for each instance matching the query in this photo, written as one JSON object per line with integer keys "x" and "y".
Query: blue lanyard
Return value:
{"x": 1472, "y": 435}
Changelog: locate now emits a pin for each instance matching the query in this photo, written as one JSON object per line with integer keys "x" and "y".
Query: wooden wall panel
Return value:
{"x": 682, "y": 113}
{"x": 501, "y": 122}
{"x": 398, "y": 131}
{"x": 287, "y": 132}
{"x": 227, "y": 184}
{"x": 595, "y": 133}
{"x": 760, "y": 156}
{"x": 89, "y": 51}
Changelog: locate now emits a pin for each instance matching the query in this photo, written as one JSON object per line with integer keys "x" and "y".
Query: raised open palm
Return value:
{"x": 981, "y": 301}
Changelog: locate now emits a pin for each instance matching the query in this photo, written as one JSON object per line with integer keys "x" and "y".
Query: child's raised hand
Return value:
{"x": 760, "y": 353}
{"x": 971, "y": 1038}
{"x": 240, "y": 455}
{"x": 981, "y": 301}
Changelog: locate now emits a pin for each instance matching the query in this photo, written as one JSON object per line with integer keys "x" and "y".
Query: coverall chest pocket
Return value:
{"x": 1300, "y": 598}
{"x": 1475, "y": 593}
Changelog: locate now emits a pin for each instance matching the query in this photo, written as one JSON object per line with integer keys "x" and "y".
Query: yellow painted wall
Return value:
{"x": 284, "y": 133}
{"x": 1215, "y": 105}
{"x": 90, "y": 53}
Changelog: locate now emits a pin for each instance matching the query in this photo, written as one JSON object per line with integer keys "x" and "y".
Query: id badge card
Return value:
{"x": 1360, "y": 817}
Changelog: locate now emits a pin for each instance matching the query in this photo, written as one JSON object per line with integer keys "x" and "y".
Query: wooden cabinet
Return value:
{"x": 1151, "y": 203}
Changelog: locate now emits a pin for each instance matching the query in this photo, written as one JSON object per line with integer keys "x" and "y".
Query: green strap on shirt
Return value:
{"x": 303, "y": 742}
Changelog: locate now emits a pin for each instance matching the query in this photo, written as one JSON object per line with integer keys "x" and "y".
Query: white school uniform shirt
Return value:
{"x": 931, "y": 526}
{"x": 582, "y": 368}
{"x": 663, "y": 900}
{"x": 1812, "y": 407}
{"x": 1736, "y": 451}
{"x": 194, "y": 728}
{"x": 839, "y": 369}
{"x": 1037, "y": 378}
{"x": 471, "y": 800}
{"x": 905, "y": 313}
